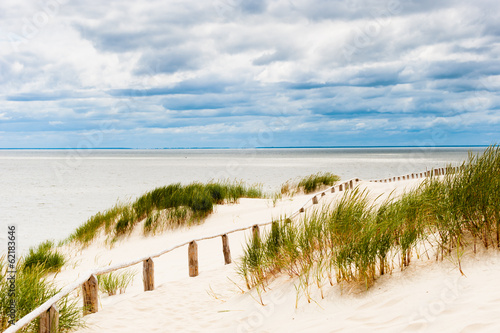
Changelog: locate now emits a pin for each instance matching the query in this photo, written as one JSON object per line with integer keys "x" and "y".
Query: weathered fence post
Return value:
{"x": 226, "y": 250}
{"x": 49, "y": 320}
{"x": 323, "y": 194}
{"x": 340, "y": 187}
{"x": 148, "y": 274}
{"x": 256, "y": 232}
{"x": 301, "y": 210}
{"x": 333, "y": 189}
{"x": 90, "y": 294}
{"x": 193, "y": 259}
{"x": 350, "y": 184}
{"x": 315, "y": 200}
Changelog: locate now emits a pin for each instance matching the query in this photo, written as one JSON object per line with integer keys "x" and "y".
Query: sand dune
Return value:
{"x": 426, "y": 297}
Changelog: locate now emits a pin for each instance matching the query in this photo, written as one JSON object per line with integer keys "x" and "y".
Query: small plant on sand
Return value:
{"x": 44, "y": 256}
{"x": 309, "y": 183}
{"x": 312, "y": 182}
{"x": 112, "y": 282}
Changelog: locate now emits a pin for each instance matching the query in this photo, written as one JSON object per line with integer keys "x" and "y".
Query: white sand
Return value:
{"x": 426, "y": 297}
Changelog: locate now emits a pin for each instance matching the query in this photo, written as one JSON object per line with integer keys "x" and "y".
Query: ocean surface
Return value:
{"x": 49, "y": 193}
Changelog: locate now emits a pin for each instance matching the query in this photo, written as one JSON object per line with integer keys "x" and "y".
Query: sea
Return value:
{"x": 47, "y": 194}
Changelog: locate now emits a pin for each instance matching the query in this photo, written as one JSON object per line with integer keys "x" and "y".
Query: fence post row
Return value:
{"x": 49, "y": 320}
{"x": 148, "y": 274}
{"x": 193, "y": 259}
{"x": 90, "y": 295}
{"x": 226, "y": 250}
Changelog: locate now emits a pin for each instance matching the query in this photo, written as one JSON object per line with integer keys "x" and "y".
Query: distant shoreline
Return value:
{"x": 236, "y": 148}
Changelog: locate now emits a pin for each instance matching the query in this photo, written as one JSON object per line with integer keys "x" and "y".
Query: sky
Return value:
{"x": 242, "y": 74}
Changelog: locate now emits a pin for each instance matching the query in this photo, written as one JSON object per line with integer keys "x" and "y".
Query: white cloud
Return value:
{"x": 351, "y": 65}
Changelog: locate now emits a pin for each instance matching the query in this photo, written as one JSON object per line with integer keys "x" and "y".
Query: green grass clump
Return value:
{"x": 183, "y": 204}
{"x": 309, "y": 183}
{"x": 44, "y": 256}
{"x": 312, "y": 182}
{"x": 112, "y": 282}
{"x": 32, "y": 289}
{"x": 355, "y": 241}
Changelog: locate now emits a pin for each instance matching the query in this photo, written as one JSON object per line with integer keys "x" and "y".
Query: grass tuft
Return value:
{"x": 309, "y": 183}
{"x": 45, "y": 256}
{"x": 112, "y": 282}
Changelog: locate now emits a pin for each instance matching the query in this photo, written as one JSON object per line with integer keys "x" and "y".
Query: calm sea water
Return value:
{"x": 48, "y": 193}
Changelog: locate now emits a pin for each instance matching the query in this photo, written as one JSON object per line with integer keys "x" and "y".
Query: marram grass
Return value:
{"x": 352, "y": 240}
{"x": 183, "y": 204}
{"x": 32, "y": 289}
{"x": 309, "y": 184}
{"x": 114, "y": 282}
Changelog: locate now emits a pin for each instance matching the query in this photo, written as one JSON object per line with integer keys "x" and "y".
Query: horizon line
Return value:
{"x": 238, "y": 148}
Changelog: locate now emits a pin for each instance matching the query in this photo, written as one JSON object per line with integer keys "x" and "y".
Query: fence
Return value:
{"x": 48, "y": 313}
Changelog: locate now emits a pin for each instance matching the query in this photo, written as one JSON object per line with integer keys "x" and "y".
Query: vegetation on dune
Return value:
{"x": 45, "y": 256}
{"x": 353, "y": 240}
{"x": 112, "y": 282}
{"x": 164, "y": 207}
{"x": 309, "y": 184}
{"x": 32, "y": 289}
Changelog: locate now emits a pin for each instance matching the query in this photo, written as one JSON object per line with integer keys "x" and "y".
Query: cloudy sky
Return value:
{"x": 236, "y": 73}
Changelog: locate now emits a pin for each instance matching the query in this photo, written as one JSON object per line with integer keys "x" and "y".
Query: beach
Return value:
{"x": 426, "y": 296}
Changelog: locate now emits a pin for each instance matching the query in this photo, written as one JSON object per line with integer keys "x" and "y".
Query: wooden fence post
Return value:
{"x": 226, "y": 250}
{"x": 49, "y": 320}
{"x": 301, "y": 210}
{"x": 323, "y": 194}
{"x": 90, "y": 295}
{"x": 148, "y": 274}
{"x": 351, "y": 185}
{"x": 333, "y": 189}
{"x": 340, "y": 187}
{"x": 256, "y": 231}
{"x": 315, "y": 200}
{"x": 193, "y": 259}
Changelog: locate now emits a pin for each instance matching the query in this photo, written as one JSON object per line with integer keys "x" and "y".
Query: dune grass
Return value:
{"x": 45, "y": 256}
{"x": 309, "y": 184}
{"x": 33, "y": 288}
{"x": 164, "y": 207}
{"x": 354, "y": 241}
{"x": 112, "y": 282}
